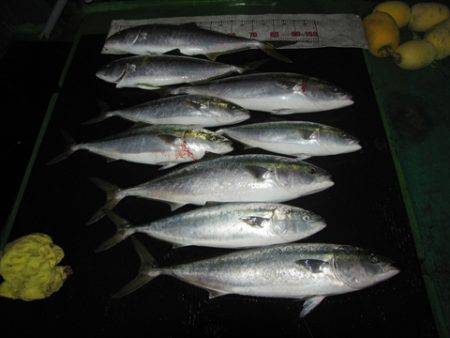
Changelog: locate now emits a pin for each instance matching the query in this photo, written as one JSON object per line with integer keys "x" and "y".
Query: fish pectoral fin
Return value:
{"x": 312, "y": 265}
{"x": 213, "y": 56}
{"x": 302, "y": 156}
{"x": 143, "y": 86}
{"x": 310, "y": 304}
{"x": 254, "y": 221}
{"x": 214, "y": 294}
{"x": 168, "y": 165}
{"x": 257, "y": 171}
{"x": 174, "y": 206}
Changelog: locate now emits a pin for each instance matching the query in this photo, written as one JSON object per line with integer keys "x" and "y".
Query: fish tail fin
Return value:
{"x": 271, "y": 51}
{"x": 103, "y": 116}
{"x": 105, "y": 112}
{"x": 112, "y": 199}
{"x": 124, "y": 230}
{"x": 147, "y": 271}
{"x": 251, "y": 66}
{"x": 70, "y": 149}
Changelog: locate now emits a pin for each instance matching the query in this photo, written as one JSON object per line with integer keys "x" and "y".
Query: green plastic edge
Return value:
{"x": 132, "y": 5}
{"x": 4, "y": 235}
{"x": 415, "y": 229}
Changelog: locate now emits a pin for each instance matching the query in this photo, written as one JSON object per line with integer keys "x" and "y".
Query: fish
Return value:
{"x": 239, "y": 178}
{"x": 165, "y": 145}
{"x": 295, "y": 138}
{"x": 154, "y": 72}
{"x": 204, "y": 111}
{"x": 276, "y": 93}
{"x": 229, "y": 225}
{"x": 302, "y": 271}
{"x": 188, "y": 39}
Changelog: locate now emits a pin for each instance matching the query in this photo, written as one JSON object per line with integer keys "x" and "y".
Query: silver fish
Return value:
{"x": 166, "y": 145}
{"x": 242, "y": 178}
{"x": 153, "y": 72}
{"x": 295, "y": 138}
{"x": 189, "y": 39}
{"x": 197, "y": 110}
{"x": 276, "y": 93}
{"x": 309, "y": 272}
{"x": 230, "y": 225}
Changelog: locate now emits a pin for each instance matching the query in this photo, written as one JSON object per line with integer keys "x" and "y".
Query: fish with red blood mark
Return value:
{"x": 165, "y": 145}
{"x": 276, "y": 93}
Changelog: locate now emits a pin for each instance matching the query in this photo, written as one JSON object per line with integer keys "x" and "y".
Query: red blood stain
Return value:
{"x": 184, "y": 152}
{"x": 303, "y": 86}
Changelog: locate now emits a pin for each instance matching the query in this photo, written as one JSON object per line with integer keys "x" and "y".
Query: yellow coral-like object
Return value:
{"x": 29, "y": 268}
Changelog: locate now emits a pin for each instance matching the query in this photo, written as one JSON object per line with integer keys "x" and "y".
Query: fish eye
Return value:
{"x": 306, "y": 217}
{"x": 312, "y": 171}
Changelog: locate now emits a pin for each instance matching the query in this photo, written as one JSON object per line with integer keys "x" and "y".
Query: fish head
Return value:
{"x": 225, "y": 112}
{"x": 291, "y": 222}
{"x": 341, "y": 142}
{"x": 112, "y": 72}
{"x": 210, "y": 141}
{"x": 297, "y": 173}
{"x": 322, "y": 94}
{"x": 359, "y": 268}
{"x": 118, "y": 42}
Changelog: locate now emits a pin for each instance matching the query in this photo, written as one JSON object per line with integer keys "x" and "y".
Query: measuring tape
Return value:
{"x": 304, "y": 30}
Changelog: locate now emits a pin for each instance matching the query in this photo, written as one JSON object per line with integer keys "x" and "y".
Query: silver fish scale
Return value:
{"x": 166, "y": 70}
{"x": 270, "y": 272}
{"x": 230, "y": 179}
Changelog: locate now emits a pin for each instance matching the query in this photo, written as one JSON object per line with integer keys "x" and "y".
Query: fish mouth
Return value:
{"x": 318, "y": 226}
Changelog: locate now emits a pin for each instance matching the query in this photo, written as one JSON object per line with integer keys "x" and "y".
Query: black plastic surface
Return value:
{"x": 363, "y": 208}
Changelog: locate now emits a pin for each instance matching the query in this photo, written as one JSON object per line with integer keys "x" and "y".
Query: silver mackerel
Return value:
{"x": 310, "y": 272}
{"x": 276, "y": 93}
{"x": 229, "y": 225}
{"x": 294, "y": 138}
{"x": 165, "y": 145}
{"x": 242, "y": 178}
{"x": 153, "y": 72}
{"x": 188, "y": 39}
{"x": 197, "y": 110}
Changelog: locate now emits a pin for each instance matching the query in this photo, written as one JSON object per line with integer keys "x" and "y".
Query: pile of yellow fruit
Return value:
{"x": 383, "y": 36}
{"x": 29, "y": 268}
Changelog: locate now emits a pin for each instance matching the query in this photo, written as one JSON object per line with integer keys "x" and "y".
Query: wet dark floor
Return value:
{"x": 363, "y": 208}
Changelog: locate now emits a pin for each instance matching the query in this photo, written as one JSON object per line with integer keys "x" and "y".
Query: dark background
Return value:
{"x": 364, "y": 208}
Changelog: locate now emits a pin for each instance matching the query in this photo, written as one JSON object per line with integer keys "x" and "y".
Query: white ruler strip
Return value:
{"x": 306, "y": 30}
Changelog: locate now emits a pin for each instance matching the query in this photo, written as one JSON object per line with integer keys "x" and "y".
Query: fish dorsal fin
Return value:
{"x": 313, "y": 265}
{"x": 215, "y": 294}
{"x": 309, "y": 304}
{"x": 254, "y": 221}
{"x": 258, "y": 171}
{"x": 167, "y": 138}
